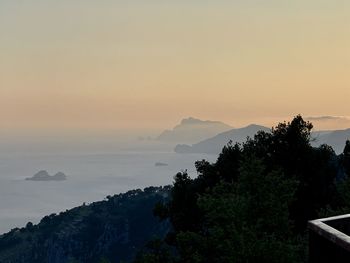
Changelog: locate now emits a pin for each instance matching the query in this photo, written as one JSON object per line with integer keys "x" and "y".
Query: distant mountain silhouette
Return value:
{"x": 336, "y": 139}
{"x": 329, "y": 122}
{"x": 193, "y": 130}
{"x": 215, "y": 144}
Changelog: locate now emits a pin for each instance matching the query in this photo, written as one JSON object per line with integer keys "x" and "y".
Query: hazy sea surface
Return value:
{"x": 91, "y": 177}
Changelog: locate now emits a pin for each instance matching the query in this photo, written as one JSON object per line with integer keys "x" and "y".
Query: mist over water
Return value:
{"x": 92, "y": 175}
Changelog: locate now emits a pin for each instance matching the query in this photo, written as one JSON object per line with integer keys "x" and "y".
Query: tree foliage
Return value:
{"x": 253, "y": 203}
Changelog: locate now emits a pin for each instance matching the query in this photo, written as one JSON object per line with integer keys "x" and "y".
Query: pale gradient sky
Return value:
{"x": 69, "y": 65}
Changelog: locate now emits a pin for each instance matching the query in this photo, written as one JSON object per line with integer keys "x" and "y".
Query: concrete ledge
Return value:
{"x": 329, "y": 239}
{"x": 322, "y": 227}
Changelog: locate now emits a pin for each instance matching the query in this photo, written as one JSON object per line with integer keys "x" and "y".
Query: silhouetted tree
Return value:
{"x": 253, "y": 203}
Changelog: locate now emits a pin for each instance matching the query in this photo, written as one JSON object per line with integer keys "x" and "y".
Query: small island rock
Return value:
{"x": 44, "y": 176}
{"x": 160, "y": 164}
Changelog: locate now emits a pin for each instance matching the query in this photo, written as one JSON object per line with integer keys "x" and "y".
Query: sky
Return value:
{"x": 94, "y": 66}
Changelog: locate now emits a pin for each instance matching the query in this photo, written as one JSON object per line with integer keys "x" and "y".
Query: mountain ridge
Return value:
{"x": 192, "y": 130}
{"x": 213, "y": 145}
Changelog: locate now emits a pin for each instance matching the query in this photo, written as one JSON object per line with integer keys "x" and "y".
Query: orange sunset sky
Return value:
{"x": 78, "y": 65}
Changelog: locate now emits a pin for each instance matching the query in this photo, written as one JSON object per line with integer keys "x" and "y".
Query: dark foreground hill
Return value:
{"x": 114, "y": 229}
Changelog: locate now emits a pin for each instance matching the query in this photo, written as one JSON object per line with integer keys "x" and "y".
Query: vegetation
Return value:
{"x": 112, "y": 230}
{"x": 253, "y": 203}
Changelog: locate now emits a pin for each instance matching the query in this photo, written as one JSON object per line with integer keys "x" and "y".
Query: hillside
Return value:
{"x": 114, "y": 229}
{"x": 215, "y": 144}
{"x": 193, "y": 130}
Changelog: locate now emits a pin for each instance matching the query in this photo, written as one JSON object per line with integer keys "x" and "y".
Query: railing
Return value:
{"x": 329, "y": 240}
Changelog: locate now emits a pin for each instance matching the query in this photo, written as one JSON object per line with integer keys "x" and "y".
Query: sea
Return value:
{"x": 91, "y": 176}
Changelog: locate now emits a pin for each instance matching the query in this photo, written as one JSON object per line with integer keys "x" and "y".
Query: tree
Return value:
{"x": 346, "y": 157}
{"x": 155, "y": 252}
{"x": 253, "y": 203}
{"x": 244, "y": 222}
